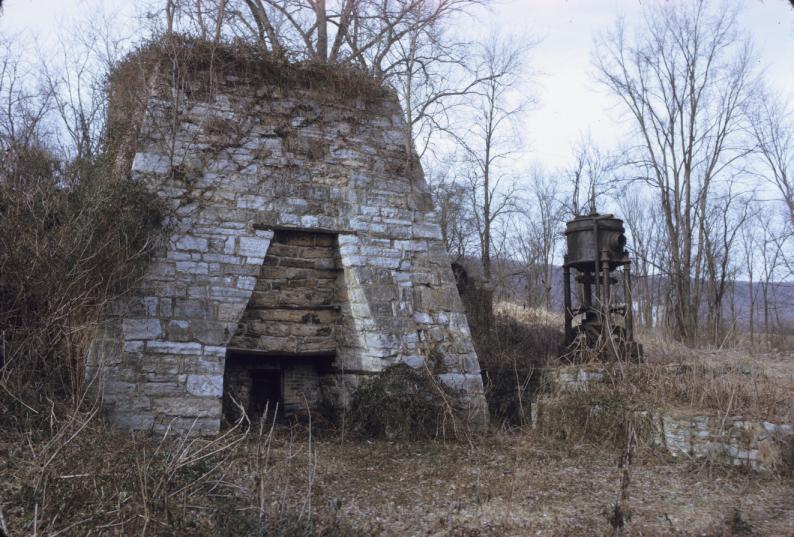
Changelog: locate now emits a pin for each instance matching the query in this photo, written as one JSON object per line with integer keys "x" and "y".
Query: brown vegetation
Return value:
{"x": 181, "y": 55}
{"x": 101, "y": 481}
{"x": 403, "y": 403}
{"x": 69, "y": 246}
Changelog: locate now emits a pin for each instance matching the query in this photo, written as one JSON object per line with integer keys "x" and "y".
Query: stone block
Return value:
{"x": 230, "y": 311}
{"x": 163, "y": 389}
{"x": 179, "y": 330}
{"x": 188, "y": 406}
{"x": 191, "y": 309}
{"x": 415, "y": 361}
{"x": 192, "y": 267}
{"x": 135, "y": 422}
{"x": 134, "y": 346}
{"x": 465, "y": 382}
{"x": 246, "y": 282}
{"x": 151, "y": 163}
{"x": 209, "y": 364}
{"x": 253, "y": 246}
{"x": 205, "y": 385}
{"x": 226, "y": 294}
{"x": 423, "y": 318}
{"x": 209, "y": 332}
{"x": 189, "y": 242}
{"x": 223, "y": 258}
{"x": 173, "y": 347}
{"x": 141, "y": 328}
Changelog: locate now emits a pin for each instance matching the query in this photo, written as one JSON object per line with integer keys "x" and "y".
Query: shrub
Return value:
{"x": 518, "y": 347}
{"x": 68, "y": 247}
{"x": 403, "y": 403}
{"x": 600, "y": 413}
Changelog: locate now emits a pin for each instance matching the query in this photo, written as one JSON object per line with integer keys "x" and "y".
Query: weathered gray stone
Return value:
{"x": 253, "y": 246}
{"x": 141, "y": 328}
{"x": 173, "y": 347}
{"x": 155, "y": 163}
{"x": 189, "y": 242}
{"x": 205, "y": 385}
{"x": 372, "y": 274}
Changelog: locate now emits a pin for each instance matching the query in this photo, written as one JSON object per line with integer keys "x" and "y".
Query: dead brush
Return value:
{"x": 67, "y": 251}
{"x": 91, "y": 478}
{"x": 729, "y": 389}
{"x": 521, "y": 343}
{"x": 597, "y": 413}
{"x": 594, "y": 411}
{"x": 247, "y": 63}
{"x": 404, "y": 403}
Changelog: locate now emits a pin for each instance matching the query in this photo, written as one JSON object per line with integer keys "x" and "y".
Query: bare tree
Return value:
{"x": 432, "y": 78}
{"x": 364, "y": 33}
{"x": 684, "y": 79}
{"x": 751, "y": 244}
{"x": 726, "y": 217}
{"x": 450, "y": 200}
{"x": 23, "y": 105}
{"x": 773, "y": 129}
{"x": 591, "y": 176}
{"x": 645, "y": 245}
{"x": 538, "y": 238}
{"x": 491, "y": 138}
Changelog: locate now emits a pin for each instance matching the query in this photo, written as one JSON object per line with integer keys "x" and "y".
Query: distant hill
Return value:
{"x": 512, "y": 285}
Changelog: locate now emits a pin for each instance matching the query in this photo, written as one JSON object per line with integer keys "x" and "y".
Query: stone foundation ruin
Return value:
{"x": 304, "y": 252}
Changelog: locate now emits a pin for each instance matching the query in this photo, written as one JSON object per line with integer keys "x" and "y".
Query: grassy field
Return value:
{"x": 107, "y": 482}
{"x": 75, "y": 475}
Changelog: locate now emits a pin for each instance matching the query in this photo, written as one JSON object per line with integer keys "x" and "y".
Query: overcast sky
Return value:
{"x": 569, "y": 104}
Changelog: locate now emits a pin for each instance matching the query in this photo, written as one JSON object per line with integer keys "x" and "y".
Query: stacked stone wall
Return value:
{"x": 300, "y": 383}
{"x": 294, "y": 308}
{"x": 249, "y": 158}
{"x": 684, "y": 433}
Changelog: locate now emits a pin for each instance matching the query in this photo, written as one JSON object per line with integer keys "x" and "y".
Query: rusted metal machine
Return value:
{"x": 602, "y": 323}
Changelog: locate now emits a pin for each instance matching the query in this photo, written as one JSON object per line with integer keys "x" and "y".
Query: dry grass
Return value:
{"x": 206, "y": 63}
{"x": 529, "y": 316}
{"x": 674, "y": 376}
{"x": 521, "y": 343}
{"x": 728, "y": 381}
{"x": 110, "y": 482}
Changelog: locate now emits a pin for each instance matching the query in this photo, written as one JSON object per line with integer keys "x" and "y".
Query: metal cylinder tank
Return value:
{"x": 601, "y": 324}
{"x": 590, "y": 237}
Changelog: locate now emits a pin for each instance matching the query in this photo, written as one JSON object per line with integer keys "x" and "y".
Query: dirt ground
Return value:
{"x": 92, "y": 479}
{"x": 518, "y": 484}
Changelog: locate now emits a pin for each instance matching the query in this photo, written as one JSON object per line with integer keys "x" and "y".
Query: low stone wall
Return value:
{"x": 761, "y": 445}
{"x": 735, "y": 440}
{"x": 577, "y": 377}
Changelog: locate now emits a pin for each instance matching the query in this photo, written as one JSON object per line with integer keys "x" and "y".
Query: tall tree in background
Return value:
{"x": 774, "y": 133}
{"x": 727, "y": 214}
{"x": 454, "y": 214}
{"x": 538, "y": 237}
{"x": 364, "y": 33}
{"x": 648, "y": 254}
{"x": 491, "y": 138}
{"x": 590, "y": 177}
{"x": 684, "y": 78}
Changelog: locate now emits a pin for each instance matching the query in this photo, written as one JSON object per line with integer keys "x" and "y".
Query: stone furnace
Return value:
{"x": 303, "y": 254}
